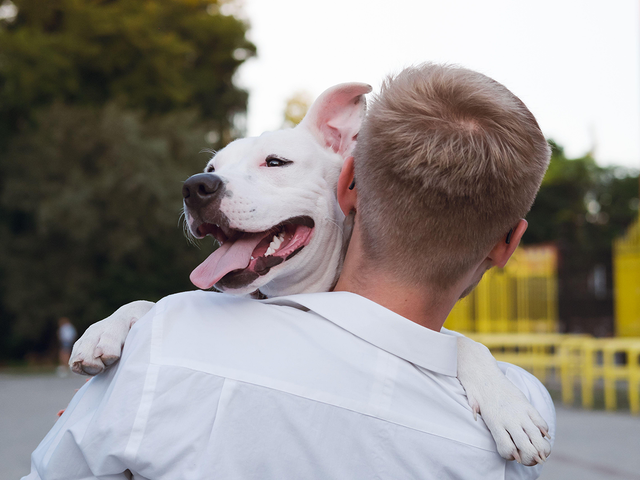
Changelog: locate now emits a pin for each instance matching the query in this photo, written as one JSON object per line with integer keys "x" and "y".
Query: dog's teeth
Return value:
{"x": 276, "y": 242}
{"x": 273, "y": 246}
{"x": 252, "y": 257}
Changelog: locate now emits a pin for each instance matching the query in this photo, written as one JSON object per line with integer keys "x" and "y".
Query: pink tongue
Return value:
{"x": 232, "y": 255}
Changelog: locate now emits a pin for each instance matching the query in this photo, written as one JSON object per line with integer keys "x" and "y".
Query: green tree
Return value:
{"x": 153, "y": 55}
{"x": 91, "y": 234}
{"x": 104, "y": 108}
{"x": 582, "y": 203}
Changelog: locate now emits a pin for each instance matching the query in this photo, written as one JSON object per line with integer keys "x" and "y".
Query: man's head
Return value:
{"x": 447, "y": 162}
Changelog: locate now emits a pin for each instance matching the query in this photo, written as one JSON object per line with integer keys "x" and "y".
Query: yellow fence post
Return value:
{"x": 588, "y": 368}
{"x": 566, "y": 373}
{"x": 572, "y": 357}
{"x": 608, "y": 363}
{"x": 634, "y": 378}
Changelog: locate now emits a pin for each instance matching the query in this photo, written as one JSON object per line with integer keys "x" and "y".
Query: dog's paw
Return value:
{"x": 101, "y": 345}
{"x": 517, "y": 428}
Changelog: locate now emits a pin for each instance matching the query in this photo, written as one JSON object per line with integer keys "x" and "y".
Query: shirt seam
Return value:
{"x": 148, "y": 389}
{"x": 343, "y": 407}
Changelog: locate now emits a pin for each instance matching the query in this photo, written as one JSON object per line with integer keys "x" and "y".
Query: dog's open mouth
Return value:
{"x": 244, "y": 256}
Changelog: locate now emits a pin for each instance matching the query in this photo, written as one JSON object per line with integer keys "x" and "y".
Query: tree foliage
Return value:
{"x": 152, "y": 55}
{"x": 104, "y": 108}
{"x": 582, "y": 203}
{"x": 95, "y": 201}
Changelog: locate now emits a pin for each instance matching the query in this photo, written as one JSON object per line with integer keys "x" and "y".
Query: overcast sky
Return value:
{"x": 575, "y": 63}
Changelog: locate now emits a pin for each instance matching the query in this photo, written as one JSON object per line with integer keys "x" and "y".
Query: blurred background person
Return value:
{"x": 67, "y": 334}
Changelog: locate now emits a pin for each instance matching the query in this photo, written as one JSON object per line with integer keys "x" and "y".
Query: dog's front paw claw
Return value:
{"x": 86, "y": 359}
{"x": 517, "y": 435}
{"x": 82, "y": 367}
{"x": 109, "y": 349}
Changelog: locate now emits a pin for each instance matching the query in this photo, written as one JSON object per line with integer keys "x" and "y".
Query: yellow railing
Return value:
{"x": 522, "y": 297}
{"x": 626, "y": 271}
{"x": 576, "y": 361}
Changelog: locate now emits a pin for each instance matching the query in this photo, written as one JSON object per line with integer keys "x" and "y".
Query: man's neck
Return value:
{"x": 424, "y": 306}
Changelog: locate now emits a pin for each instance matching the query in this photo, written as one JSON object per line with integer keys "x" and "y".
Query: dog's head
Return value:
{"x": 270, "y": 202}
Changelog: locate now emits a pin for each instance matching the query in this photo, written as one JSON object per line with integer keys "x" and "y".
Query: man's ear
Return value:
{"x": 336, "y": 115}
{"x": 502, "y": 251}
{"x": 347, "y": 191}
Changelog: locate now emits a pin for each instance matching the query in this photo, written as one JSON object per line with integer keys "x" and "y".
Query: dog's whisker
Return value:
{"x": 334, "y": 223}
{"x": 182, "y": 221}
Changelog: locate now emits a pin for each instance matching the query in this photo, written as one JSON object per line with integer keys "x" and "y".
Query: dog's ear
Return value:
{"x": 336, "y": 115}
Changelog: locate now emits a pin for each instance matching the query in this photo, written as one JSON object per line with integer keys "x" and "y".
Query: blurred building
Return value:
{"x": 520, "y": 298}
{"x": 626, "y": 264}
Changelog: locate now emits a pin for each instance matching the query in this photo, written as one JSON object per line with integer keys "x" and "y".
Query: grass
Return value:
{"x": 23, "y": 368}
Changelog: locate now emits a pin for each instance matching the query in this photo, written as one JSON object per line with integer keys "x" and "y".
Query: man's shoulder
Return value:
{"x": 200, "y": 313}
{"x": 197, "y": 322}
{"x": 200, "y": 298}
{"x": 524, "y": 380}
{"x": 190, "y": 313}
{"x": 221, "y": 307}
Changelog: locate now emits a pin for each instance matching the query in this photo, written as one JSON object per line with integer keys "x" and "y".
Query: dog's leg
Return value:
{"x": 101, "y": 344}
{"x": 516, "y": 426}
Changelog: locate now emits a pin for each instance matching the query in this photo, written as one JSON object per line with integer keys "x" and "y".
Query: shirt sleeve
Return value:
{"x": 539, "y": 397}
{"x": 90, "y": 439}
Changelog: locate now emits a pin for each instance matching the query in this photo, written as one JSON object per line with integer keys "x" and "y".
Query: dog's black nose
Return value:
{"x": 200, "y": 189}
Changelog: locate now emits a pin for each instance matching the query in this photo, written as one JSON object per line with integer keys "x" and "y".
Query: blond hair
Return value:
{"x": 447, "y": 161}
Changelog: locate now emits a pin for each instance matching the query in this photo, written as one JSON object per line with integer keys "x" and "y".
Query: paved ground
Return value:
{"x": 28, "y": 407}
{"x": 590, "y": 445}
{"x": 594, "y": 446}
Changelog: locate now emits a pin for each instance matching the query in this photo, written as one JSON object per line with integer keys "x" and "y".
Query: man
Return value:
{"x": 67, "y": 334}
{"x": 355, "y": 383}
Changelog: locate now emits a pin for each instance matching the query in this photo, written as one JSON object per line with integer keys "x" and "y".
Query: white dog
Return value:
{"x": 270, "y": 202}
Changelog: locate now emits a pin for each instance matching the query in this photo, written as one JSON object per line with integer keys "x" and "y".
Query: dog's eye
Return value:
{"x": 276, "y": 162}
{"x": 209, "y": 169}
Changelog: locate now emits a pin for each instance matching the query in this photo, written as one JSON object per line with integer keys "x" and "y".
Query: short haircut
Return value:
{"x": 447, "y": 161}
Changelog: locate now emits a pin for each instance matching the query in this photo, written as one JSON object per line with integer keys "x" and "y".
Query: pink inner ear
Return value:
{"x": 335, "y": 117}
{"x": 332, "y": 137}
{"x": 339, "y": 126}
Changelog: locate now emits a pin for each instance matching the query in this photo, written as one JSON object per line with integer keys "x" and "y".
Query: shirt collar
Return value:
{"x": 380, "y": 327}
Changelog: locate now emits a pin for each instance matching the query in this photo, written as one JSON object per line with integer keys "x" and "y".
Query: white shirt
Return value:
{"x": 314, "y": 386}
